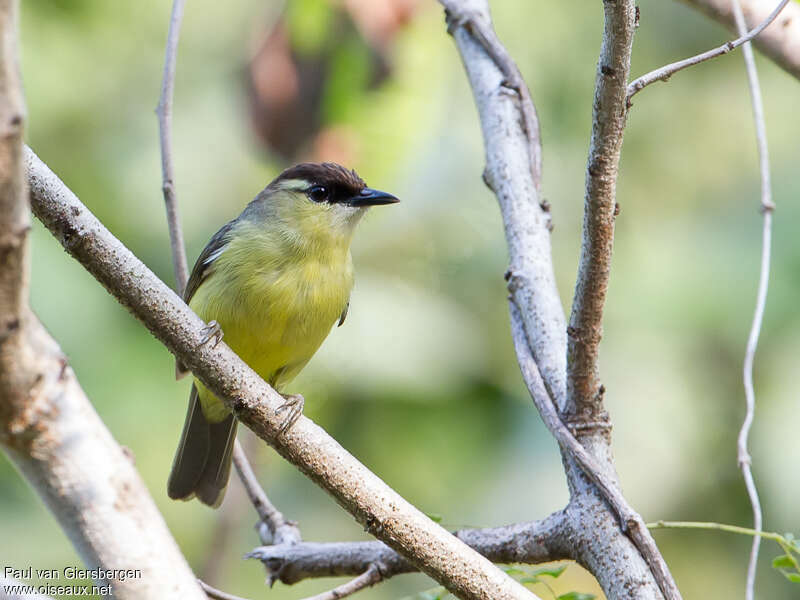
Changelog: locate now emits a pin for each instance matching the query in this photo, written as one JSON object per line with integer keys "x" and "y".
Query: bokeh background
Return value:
{"x": 421, "y": 383}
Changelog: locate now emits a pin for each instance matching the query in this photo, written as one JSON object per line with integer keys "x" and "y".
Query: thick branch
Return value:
{"x": 584, "y": 391}
{"x": 48, "y": 427}
{"x": 379, "y": 508}
{"x": 603, "y": 478}
{"x": 530, "y": 543}
{"x": 780, "y": 41}
{"x": 508, "y": 144}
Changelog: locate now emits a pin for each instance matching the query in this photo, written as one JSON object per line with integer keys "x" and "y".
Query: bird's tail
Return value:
{"x": 202, "y": 462}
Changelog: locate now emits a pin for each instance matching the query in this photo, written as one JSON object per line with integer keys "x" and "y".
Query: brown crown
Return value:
{"x": 342, "y": 182}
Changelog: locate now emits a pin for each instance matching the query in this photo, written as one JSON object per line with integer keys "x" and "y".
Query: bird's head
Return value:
{"x": 319, "y": 200}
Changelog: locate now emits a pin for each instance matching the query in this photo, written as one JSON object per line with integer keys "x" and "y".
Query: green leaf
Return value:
{"x": 793, "y": 577}
{"x": 783, "y": 562}
{"x": 576, "y": 596}
{"x": 550, "y": 571}
{"x": 435, "y": 517}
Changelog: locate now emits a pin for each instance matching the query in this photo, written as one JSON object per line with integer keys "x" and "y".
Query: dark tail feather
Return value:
{"x": 202, "y": 462}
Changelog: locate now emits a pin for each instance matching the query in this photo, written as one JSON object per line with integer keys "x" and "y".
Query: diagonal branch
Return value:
{"x": 383, "y": 512}
{"x": 632, "y": 523}
{"x": 531, "y": 543}
{"x": 780, "y": 42}
{"x": 667, "y": 71}
{"x": 767, "y": 207}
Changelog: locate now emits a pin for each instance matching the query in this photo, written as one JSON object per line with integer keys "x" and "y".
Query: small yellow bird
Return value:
{"x": 274, "y": 280}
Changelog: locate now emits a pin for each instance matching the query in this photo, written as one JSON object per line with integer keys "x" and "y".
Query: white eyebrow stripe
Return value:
{"x": 294, "y": 185}
{"x": 215, "y": 255}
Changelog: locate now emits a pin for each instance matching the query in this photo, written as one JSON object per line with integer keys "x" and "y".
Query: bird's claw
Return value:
{"x": 212, "y": 330}
{"x": 294, "y": 404}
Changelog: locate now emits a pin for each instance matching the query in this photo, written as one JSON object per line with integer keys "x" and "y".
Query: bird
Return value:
{"x": 273, "y": 282}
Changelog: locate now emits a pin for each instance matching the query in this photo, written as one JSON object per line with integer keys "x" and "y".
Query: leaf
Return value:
{"x": 576, "y": 596}
{"x": 783, "y": 562}
{"x": 550, "y": 571}
{"x": 793, "y": 577}
{"x": 435, "y": 517}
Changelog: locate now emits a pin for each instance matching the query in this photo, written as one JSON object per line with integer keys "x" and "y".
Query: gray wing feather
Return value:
{"x": 202, "y": 269}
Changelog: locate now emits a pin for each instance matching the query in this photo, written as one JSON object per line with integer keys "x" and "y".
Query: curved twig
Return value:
{"x": 767, "y": 206}
{"x": 368, "y": 578}
{"x": 216, "y": 594}
{"x": 778, "y": 43}
{"x": 667, "y": 71}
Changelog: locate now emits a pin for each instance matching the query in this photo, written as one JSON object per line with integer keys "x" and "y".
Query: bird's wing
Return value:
{"x": 201, "y": 270}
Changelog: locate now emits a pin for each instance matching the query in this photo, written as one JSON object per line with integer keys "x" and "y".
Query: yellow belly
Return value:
{"x": 274, "y": 314}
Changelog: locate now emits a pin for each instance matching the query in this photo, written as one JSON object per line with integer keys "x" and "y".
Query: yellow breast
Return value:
{"x": 274, "y": 304}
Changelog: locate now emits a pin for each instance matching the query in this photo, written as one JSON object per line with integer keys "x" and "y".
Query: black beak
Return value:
{"x": 370, "y": 197}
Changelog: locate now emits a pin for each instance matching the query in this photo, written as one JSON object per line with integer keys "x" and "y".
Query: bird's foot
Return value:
{"x": 212, "y": 330}
{"x": 294, "y": 404}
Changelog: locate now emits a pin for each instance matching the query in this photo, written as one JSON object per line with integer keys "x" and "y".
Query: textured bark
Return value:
{"x": 530, "y": 543}
{"x": 48, "y": 427}
{"x": 381, "y": 510}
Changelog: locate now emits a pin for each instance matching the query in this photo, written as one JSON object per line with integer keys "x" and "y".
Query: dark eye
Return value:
{"x": 318, "y": 193}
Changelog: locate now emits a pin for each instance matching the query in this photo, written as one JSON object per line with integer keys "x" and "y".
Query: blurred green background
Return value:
{"x": 421, "y": 383}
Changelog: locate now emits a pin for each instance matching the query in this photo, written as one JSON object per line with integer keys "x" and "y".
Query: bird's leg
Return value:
{"x": 212, "y": 330}
{"x": 294, "y": 404}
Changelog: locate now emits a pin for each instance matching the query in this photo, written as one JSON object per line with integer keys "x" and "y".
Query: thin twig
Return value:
{"x": 164, "y": 112}
{"x": 778, "y": 43}
{"x": 631, "y": 522}
{"x": 281, "y": 530}
{"x": 667, "y": 71}
{"x": 767, "y": 206}
{"x": 216, "y": 594}
{"x": 367, "y": 579}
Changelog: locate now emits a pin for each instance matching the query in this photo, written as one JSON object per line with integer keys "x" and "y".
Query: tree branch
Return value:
{"x": 780, "y": 42}
{"x": 164, "y": 112}
{"x": 509, "y": 143}
{"x": 632, "y": 523}
{"x": 667, "y": 71}
{"x": 767, "y": 206}
{"x": 532, "y": 542}
{"x": 380, "y": 509}
{"x": 281, "y": 531}
{"x": 531, "y": 283}
{"x": 584, "y": 391}
{"x": 47, "y": 425}
{"x": 368, "y": 578}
